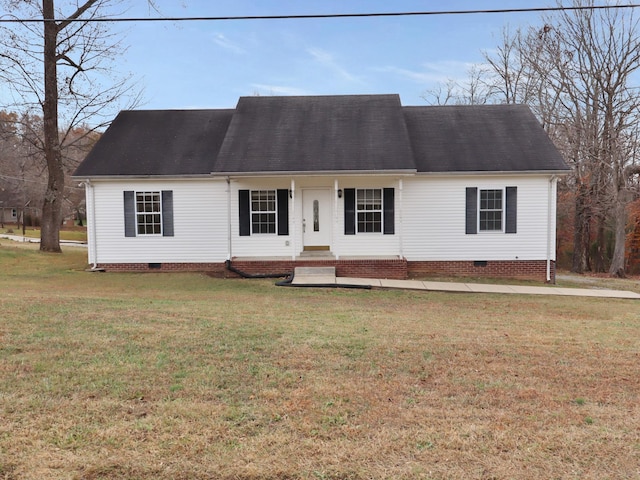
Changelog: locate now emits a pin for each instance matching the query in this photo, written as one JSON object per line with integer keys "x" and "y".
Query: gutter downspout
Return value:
{"x": 90, "y": 196}
{"x": 229, "y": 252}
{"x": 549, "y": 221}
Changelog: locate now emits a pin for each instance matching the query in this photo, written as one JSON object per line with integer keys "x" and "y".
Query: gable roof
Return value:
{"x": 338, "y": 134}
{"x": 315, "y": 134}
{"x": 158, "y": 142}
{"x": 480, "y": 138}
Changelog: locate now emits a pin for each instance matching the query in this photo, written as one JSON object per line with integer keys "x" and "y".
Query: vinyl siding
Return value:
{"x": 360, "y": 244}
{"x": 429, "y": 221}
{"x": 434, "y": 220}
{"x": 199, "y": 218}
{"x": 258, "y": 244}
{"x": 368, "y": 244}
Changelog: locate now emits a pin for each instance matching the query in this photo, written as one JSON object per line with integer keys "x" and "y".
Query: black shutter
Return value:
{"x": 283, "y": 212}
{"x": 349, "y": 211}
{"x": 389, "y": 211}
{"x": 167, "y": 213}
{"x": 472, "y": 211}
{"x": 129, "y": 213}
{"x": 511, "y": 223}
{"x": 245, "y": 213}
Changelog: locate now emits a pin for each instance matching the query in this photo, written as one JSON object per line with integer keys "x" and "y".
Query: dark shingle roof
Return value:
{"x": 158, "y": 142}
{"x": 348, "y": 133}
{"x": 321, "y": 133}
{"x": 480, "y": 138}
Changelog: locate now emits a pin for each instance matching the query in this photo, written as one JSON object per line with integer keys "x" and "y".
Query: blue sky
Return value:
{"x": 211, "y": 64}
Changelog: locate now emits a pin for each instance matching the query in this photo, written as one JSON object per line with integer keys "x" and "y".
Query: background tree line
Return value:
{"x": 23, "y": 169}
{"x": 578, "y": 72}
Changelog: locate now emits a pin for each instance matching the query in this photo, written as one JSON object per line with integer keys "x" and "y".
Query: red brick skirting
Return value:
{"x": 363, "y": 268}
{"x": 213, "y": 268}
{"x": 373, "y": 268}
{"x": 523, "y": 269}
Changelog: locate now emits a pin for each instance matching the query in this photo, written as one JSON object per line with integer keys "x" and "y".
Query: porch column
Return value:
{"x": 400, "y": 210}
{"x": 293, "y": 221}
{"x": 336, "y": 224}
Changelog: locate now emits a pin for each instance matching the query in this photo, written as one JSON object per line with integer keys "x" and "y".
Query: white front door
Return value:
{"x": 316, "y": 218}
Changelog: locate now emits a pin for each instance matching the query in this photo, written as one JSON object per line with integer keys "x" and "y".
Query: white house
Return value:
{"x": 358, "y": 182}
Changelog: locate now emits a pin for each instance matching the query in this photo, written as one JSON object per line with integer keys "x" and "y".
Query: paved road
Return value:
{"x": 20, "y": 238}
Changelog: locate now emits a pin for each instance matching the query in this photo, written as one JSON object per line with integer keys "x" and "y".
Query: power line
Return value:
{"x": 320, "y": 16}
{"x": 39, "y": 182}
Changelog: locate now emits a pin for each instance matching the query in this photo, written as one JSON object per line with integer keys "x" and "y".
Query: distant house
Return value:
{"x": 8, "y": 214}
{"x": 357, "y": 182}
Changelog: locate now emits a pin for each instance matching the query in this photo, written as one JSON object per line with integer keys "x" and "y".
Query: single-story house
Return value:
{"x": 358, "y": 182}
{"x": 8, "y": 214}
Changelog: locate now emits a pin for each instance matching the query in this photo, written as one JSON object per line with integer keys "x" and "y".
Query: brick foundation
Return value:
{"x": 217, "y": 269}
{"x": 522, "y": 269}
{"x": 398, "y": 269}
{"x": 372, "y": 268}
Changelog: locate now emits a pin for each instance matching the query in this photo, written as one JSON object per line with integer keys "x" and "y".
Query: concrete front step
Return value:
{"x": 314, "y": 275}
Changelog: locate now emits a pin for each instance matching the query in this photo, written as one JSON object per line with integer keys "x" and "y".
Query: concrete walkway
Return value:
{"x": 325, "y": 276}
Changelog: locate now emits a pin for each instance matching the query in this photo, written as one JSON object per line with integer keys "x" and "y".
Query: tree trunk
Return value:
{"x": 580, "y": 261}
{"x": 52, "y": 206}
{"x": 599, "y": 255}
{"x": 617, "y": 268}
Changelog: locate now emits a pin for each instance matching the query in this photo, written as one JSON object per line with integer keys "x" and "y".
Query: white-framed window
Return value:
{"x": 263, "y": 211}
{"x": 14, "y": 213}
{"x": 491, "y": 210}
{"x": 148, "y": 213}
{"x": 369, "y": 210}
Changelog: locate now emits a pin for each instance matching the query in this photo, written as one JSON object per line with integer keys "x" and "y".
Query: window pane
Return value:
{"x": 369, "y": 222}
{"x": 369, "y": 199}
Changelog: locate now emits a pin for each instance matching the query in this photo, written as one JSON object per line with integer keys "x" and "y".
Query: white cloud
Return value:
{"x": 433, "y": 72}
{"x": 222, "y": 41}
{"x": 327, "y": 60}
{"x": 263, "y": 89}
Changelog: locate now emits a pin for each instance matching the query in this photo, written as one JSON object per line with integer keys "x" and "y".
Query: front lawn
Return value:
{"x": 182, "y": 376}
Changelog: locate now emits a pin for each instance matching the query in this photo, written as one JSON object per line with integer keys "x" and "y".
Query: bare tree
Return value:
{"x": 442, "y": 94}
{"x": 474, "y": 90}
{"x": 576, "y": 73}
{"x": 59, "y": 66}
{"x": 597, "y": 53}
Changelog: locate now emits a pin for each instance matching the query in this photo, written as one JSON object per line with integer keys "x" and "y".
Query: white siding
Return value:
{"x": 371, "y": 244}
{"x": 434, "y": 220}
{"x": 199, "y": 215}
{"x": 258, "y": 245}
{"x": 368, "y": 244}
{"x": 429, "y": 221}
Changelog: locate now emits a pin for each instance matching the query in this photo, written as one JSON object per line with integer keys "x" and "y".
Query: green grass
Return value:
{"x": 182, "y": 376}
